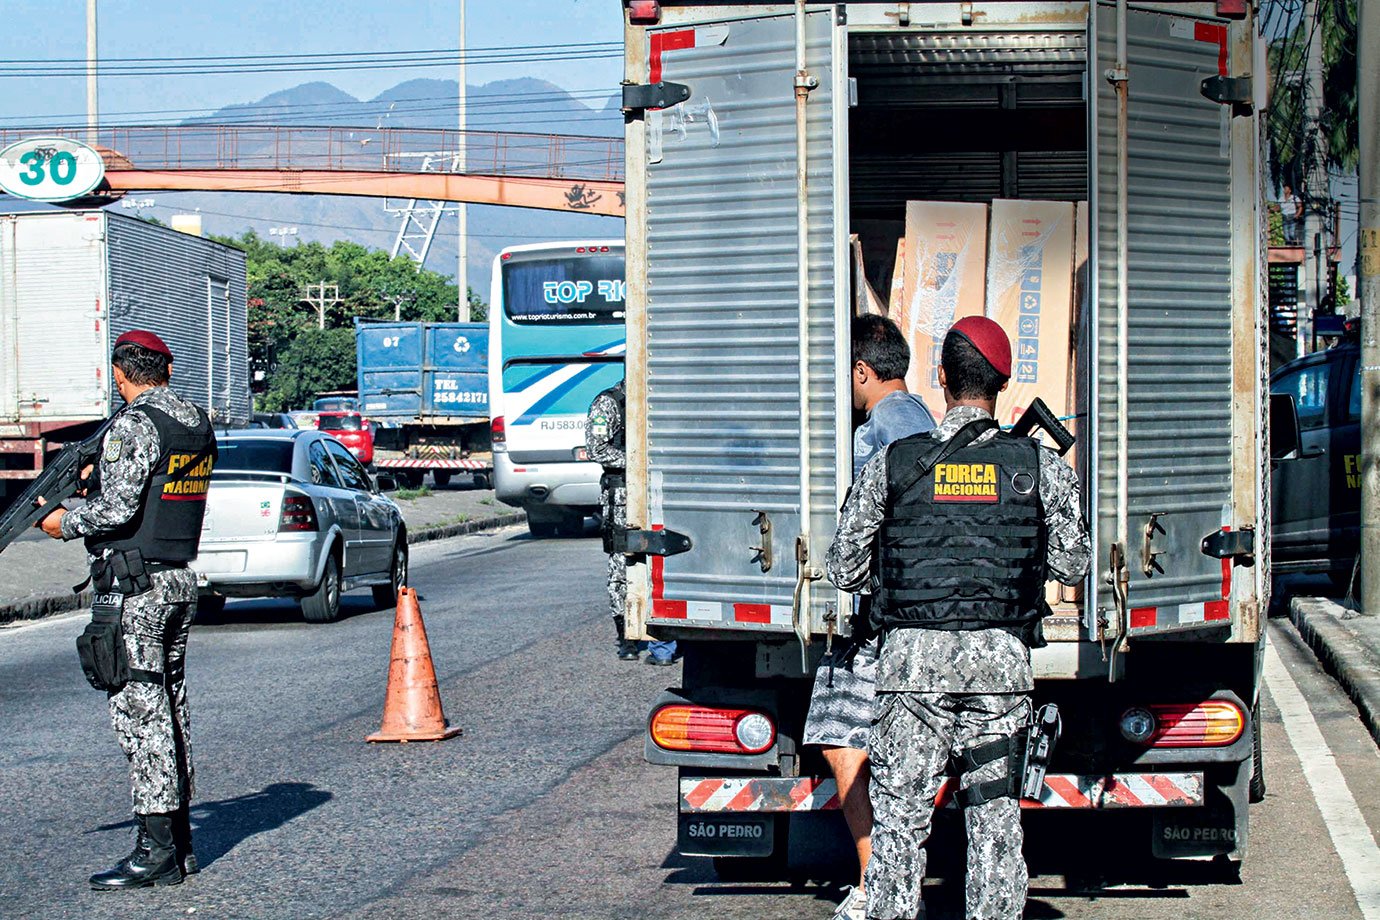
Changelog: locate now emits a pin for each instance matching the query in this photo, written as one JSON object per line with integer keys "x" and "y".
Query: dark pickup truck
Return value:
{"x": 1316, "y": 487}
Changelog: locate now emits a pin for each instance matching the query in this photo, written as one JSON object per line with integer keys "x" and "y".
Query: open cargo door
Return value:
{"x": 1164, "y": 324}
{"x": 743, "y": 399}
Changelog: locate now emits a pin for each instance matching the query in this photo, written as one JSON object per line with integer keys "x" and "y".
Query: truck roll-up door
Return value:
{"x": 726, "y": 462}
{"x": 1164, "y": 355}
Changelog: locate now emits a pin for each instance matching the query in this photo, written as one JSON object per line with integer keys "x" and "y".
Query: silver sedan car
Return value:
{"x": 291, "y": 513}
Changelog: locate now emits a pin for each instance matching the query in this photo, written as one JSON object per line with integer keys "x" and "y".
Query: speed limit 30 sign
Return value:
{"x": 50, "y": 169}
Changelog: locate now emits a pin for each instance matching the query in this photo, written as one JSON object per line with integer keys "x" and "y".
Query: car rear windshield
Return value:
{"x": 253, "y": 455}
{"x": 339, "y": 423}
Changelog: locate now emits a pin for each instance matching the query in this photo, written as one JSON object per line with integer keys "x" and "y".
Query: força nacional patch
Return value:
{"x": 966, "y": 482}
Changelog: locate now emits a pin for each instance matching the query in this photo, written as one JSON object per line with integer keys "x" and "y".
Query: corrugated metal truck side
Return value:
{"x": 742, "y": 195}
{"x": 70, "y": 284}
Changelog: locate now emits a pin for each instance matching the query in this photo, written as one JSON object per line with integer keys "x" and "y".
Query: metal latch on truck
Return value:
{"x": 650, "y": 542}
{"x": 1236, "y": 545}
{"x": 639, "y": 97}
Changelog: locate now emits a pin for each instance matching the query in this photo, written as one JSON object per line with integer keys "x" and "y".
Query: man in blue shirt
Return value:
{"x": 844, "y": 699}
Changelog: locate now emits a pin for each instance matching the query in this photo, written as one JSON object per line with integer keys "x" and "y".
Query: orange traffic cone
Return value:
{"x": 412, "y": 707}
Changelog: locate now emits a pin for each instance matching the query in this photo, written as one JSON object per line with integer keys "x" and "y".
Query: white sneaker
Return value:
{"x": 852, "y": 907}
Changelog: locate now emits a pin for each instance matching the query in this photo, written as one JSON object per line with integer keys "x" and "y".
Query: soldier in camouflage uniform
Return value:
{"x": 606, "y": 443}
{"x": 955, "y": 671}
{"x": 141, "y": 527}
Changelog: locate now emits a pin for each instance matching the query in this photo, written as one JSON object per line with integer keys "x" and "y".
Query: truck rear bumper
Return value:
{"x": 709, "y": 795}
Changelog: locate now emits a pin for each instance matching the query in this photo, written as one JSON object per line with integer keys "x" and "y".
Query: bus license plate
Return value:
{"x": 722, "y": 835}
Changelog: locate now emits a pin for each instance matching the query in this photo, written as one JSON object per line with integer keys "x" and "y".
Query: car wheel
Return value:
{"x": 571, "y": 525}
{"x": 387, "y": 595}
{"x": 209, "y": 605}
{"x": 541, "y": 529}
{"x": 441, "y": 478}
{"x": 323, "y": 604}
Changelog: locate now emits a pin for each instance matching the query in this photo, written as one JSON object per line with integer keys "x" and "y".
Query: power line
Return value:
{"x": 324, "y": 54}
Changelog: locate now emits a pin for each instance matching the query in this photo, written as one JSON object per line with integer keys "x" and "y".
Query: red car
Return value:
{"x": 351, "y": 429}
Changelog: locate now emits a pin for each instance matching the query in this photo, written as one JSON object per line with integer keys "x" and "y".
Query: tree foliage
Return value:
{"x": 286, "y": 347}
{"x": 1294, "y": 145}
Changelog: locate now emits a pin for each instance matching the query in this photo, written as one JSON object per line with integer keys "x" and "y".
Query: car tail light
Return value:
{"x": 704, "y": 729}
{"x": 1213, "y": 723}
{"x": 498, "y": 431}
{"x": 298, "y": 515}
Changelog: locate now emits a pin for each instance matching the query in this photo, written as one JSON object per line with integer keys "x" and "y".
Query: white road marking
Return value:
{"x": 1346, "y": 825}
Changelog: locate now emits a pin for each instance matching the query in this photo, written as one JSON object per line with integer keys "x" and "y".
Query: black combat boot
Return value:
{"x": 182, "y": 840}
{"x": 627, "y": 648}
{"x": 153, "y": 862}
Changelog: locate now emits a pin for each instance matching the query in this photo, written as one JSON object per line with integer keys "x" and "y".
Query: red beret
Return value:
{"x": 145, "y": 339}
{"x": 989, "y": 339}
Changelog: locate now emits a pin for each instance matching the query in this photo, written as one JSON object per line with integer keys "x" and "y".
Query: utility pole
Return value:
{"x": 1317, "y": 195}
{"x": 1368, "y": 99}
{"x": 322, "y": 300}
{"x": 92, "y": 110}
{"x": 462, "y": 273}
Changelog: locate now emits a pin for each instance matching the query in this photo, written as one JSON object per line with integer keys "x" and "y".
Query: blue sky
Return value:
{"x": 56, "y": 29}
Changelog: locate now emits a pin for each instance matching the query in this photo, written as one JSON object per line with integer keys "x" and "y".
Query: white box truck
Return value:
{"x": 70, "y": 283}
{"x": 757, "y": 134}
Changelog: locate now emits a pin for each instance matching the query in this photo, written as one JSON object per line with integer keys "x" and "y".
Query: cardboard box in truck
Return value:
{"x": 1030, "y": 294}
{"x": 946, "y": 242}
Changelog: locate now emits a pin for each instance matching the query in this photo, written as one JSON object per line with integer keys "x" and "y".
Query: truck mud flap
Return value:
{"x": 1219, "y": 828}
{"x": 726, "y": 834}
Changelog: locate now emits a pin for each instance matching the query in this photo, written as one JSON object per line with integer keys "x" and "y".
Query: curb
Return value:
{"x": 36, "y": 608}
{"x": 1342, "y": 655}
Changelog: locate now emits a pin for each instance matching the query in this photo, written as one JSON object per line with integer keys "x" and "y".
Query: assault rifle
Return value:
{"x": 59, "y": 481}
{"x": 1037, "y": 415}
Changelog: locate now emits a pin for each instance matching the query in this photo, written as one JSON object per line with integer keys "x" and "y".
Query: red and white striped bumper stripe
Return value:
{"x": 1062, "y": 790}
{"x": 406, "y": 463}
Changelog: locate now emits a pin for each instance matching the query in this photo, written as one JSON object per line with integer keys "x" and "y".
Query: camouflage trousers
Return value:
{"x": 613, "y": 506}
{"x": 910, "y": 746}
{"x": 152, "y": 721}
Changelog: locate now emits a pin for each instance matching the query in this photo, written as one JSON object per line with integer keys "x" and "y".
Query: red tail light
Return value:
{"x": 298, "y": 515}
{"x": 498, "y": 431}
{"x": 1212, "y": 723}
{"x": 682, "y": 727}
{"x": 644, "y": 12}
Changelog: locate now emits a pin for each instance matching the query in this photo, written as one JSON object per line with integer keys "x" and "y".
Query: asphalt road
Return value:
{"x": 543, "y": 808}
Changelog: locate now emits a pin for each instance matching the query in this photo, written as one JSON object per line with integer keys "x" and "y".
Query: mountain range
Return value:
{"x": 521, "y": 105}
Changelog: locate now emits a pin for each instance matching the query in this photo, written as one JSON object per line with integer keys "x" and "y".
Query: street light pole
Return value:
{"x": 462, "y": 275}
{"x": 1368, "y": 99}
{"x": 91, "y": 100}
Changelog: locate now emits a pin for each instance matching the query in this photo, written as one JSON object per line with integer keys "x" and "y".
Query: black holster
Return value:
{"x": 609, "y": 484}
{"x": 101, "y": 648}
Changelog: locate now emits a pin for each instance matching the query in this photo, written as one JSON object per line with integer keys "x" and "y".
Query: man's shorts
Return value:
{"x": 842, "y": 710}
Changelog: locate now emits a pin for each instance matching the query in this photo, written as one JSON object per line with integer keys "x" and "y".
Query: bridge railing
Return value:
{"x": 225, "y": 147}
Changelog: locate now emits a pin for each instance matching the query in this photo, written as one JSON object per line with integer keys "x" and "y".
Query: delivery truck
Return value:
{"x": 425, "y": 387}
{"x": 761, "y": 137}
{"x": 70, "y": 283}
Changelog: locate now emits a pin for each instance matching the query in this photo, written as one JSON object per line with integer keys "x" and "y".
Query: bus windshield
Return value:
{"x": 565, "y": 289}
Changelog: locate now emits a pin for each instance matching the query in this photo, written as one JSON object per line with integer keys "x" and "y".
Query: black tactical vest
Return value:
{"x": 167, "y": 526}
{"x": 618, "y": 431}
{"x": 963, "y": 546}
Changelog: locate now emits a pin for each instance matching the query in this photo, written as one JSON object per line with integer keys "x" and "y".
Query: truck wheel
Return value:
{"x": 1255, "y": 793}
{"x": 323, "y": 604}
{"x": 442, "y": 478}
{"x": 411, "y": 479}
{"x": 387, "y": 595}
{"x": 483, "y": 481}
